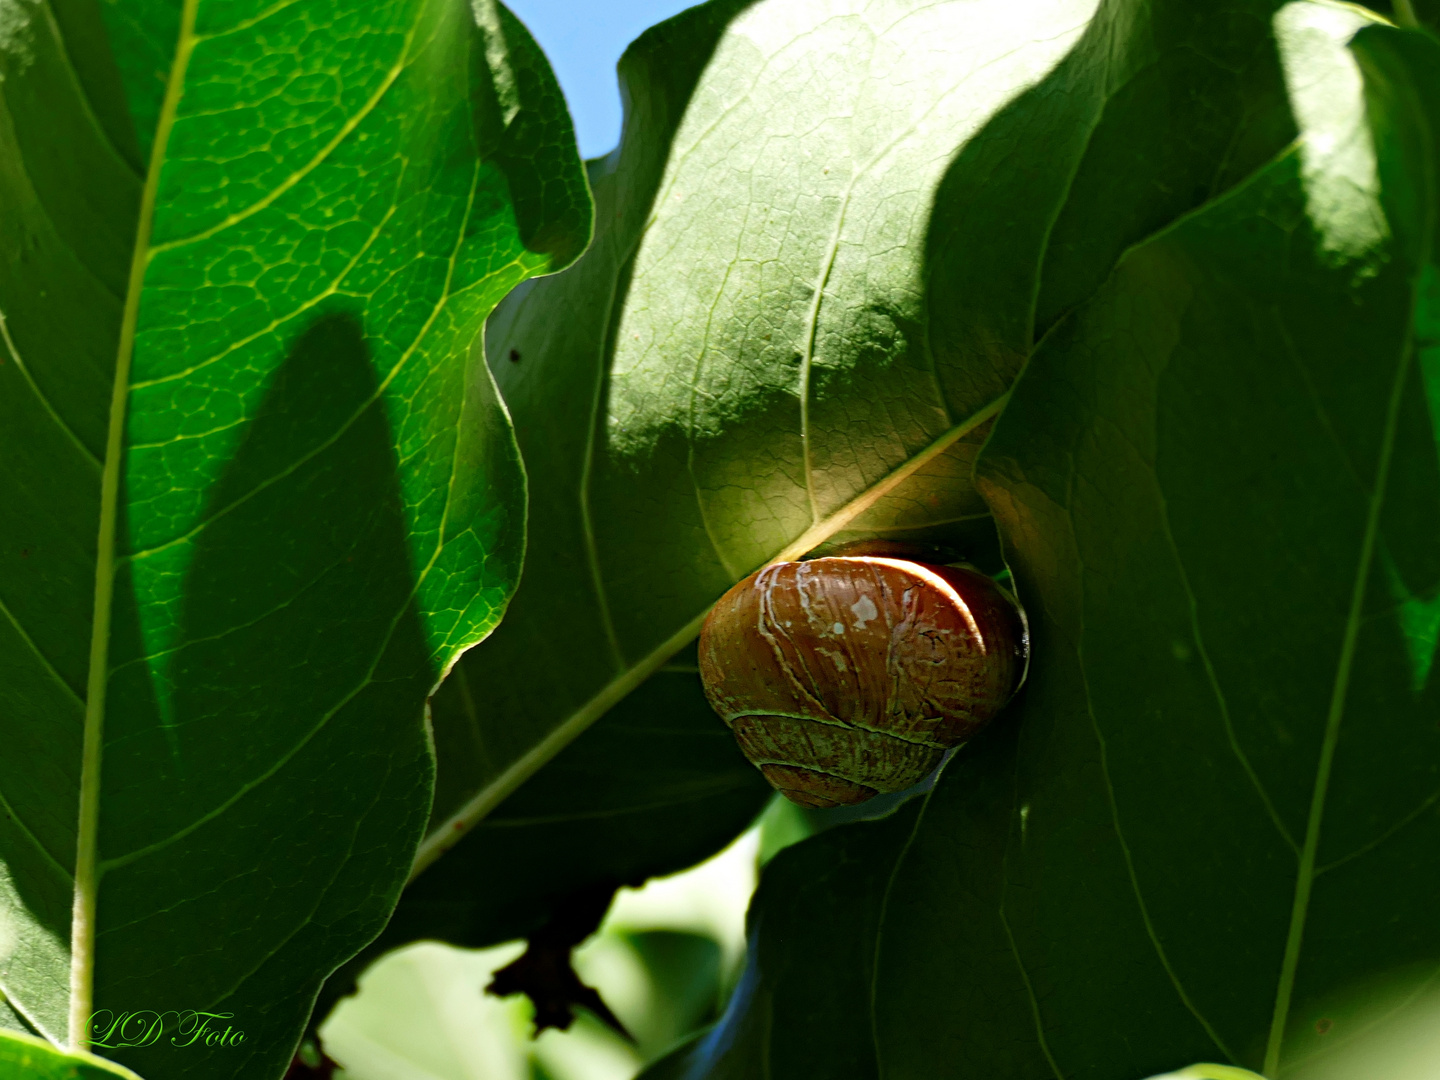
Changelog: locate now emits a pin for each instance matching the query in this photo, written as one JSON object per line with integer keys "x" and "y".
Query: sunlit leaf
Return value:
{"x": 258, "y": 494}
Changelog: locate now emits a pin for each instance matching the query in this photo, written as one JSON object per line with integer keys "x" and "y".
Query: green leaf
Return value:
{"x": 810, "y": 288}
{"x": 10, "y": 1020}
{"x": 655, "y": 787}
{"x": 608, "y": 806}
{"x": 258, "y": 492}
{"x": 822, "y": 899}
{"x": 1205, "y": 827}
{"x": 25, "y": 1057}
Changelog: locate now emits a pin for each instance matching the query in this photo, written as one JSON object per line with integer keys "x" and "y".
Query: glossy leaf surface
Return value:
{"x": 1206, "y": 826}
{"x": 810, "y": 287}
{"x": 258, "y": 492}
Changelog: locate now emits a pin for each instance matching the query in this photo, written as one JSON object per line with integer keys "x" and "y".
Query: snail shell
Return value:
{"x": 845, "y": 677}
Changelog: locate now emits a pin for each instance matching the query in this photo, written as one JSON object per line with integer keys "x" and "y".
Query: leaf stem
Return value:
{"x": 87, "y": 877}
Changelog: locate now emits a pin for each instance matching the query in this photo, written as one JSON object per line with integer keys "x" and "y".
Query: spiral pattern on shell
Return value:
{"x": 845, "y": 677}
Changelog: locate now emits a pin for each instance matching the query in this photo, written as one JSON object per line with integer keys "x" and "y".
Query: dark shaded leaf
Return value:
{"x": 656, "y": 786}
{"x": 797, "y": 1011}
{"x": 1208, "y": 823}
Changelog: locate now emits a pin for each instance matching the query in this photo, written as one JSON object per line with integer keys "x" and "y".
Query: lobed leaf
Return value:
{"x": 1201, "y": 832}
{"x": 258, "y": 494}
{"x": 810, "y": 288}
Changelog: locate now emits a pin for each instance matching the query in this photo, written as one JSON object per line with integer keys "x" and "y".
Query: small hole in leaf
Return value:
{"x": 514, "y": 356}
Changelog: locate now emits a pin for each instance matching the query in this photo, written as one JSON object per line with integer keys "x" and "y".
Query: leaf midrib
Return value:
{"x": 421, "y": 576}
{"x": 1306, "y": 873}
{"x": 318, "y": 159}
{"x": 82, "y": 920}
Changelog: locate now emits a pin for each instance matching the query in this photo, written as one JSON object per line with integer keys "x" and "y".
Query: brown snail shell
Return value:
{"x": 845, "y": 677}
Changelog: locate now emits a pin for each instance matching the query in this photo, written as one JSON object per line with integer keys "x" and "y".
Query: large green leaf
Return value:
{"x": 1206, "y": 830}
{"x": 550, "y": 369}
{"x": 810, "y": 287}
{"x": 258, "y": 494}
{"x": 25, "y": 1057}
{"x": 655, "y": 787}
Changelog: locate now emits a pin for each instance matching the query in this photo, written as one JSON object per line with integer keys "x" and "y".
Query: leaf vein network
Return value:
{"x": 812, "y": 326}
{"x": 1389, "y": 834}
{"x": 118, "y": 861}
{"x": 692, "y": 418}
{"x": 320, "y": 898}
{"x": 246, "y": 24}
{"x": 295, "y": 595}
{"x": 1305, "y": 875}
{"x": 1322, "y": 414}
{"x": 314, "y": 451}
{"x": 420, "y": 577}
{"x": 320, "y": 157}
{"x": 1193, "y": 613}
{"x": 333, "y": 289}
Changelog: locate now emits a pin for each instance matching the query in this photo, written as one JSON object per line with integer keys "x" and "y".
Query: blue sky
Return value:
{"x": 584, "y": 39}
